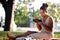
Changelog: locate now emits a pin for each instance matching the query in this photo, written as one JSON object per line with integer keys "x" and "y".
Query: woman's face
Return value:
{"x": 43, "y": 13}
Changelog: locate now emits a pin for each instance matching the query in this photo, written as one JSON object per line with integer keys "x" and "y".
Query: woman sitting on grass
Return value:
{"x": 45, "y": 26}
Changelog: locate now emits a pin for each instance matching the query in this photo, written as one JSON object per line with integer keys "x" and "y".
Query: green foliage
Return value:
{"x": 37, "y": 14}
{"x": 21, "y": 18}
{"x": 54, "y": 11}
{"x": 21, "y": 12}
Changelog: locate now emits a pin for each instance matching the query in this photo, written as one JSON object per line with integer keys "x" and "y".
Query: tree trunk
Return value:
{"x": 12, "y": 24}
{"x": 8, "y": 6}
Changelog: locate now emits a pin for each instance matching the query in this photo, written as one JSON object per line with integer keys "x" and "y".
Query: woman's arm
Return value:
{"x": 37, "y": 21}
{"x": 49, "y": 26}
{"x": 38, "y": 26}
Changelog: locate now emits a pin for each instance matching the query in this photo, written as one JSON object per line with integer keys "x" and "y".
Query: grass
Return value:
{"x": 3, "y": 34}
{"x": 4, "y": 37}
{"x": 57, "y": 34}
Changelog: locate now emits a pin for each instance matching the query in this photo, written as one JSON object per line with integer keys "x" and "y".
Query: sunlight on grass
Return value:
{"x": 3, "y": 33}
{"x": 57, "y": 34}
{"x": 4, "y": 37}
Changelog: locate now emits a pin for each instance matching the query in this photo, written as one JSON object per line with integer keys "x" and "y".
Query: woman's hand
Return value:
{"x": 39, "y": 23}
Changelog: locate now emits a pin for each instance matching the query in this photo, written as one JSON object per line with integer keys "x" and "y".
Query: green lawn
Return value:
{"x": 3, "y": 34}
{"x": 4, "y": 37}
{"x": 57, "y": 34}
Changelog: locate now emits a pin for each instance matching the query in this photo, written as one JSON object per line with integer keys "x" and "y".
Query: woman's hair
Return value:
{"x": 44, "y": 6}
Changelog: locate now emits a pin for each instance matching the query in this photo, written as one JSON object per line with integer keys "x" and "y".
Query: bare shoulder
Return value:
{"x": 50, "y": 21}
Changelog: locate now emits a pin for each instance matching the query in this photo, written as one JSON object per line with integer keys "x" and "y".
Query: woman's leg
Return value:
{"x": 20, "y": 35}
{"x": 40, "y": 35}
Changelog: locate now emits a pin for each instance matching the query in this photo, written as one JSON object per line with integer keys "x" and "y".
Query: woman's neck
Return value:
{"x": 45, "y": 16}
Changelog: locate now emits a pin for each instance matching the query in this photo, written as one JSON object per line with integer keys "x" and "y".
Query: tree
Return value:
{"x": 8, "y": 6}
{"x": 21, "y": 12}
{"x": 54, "y": 11}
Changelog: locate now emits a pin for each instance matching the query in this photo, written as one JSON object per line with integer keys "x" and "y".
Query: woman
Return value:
{"x": 45, "y": 26}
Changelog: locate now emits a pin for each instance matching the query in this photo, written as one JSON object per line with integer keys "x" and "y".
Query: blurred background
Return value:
{"x": 26, "y": 10}
{"x": 23, "y": 13}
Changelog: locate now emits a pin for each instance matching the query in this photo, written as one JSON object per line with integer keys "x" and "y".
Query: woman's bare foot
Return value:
{"x": 9, "y": 35}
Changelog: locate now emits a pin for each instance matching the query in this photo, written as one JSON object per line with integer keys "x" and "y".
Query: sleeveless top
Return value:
{"x": 46, "y": 23}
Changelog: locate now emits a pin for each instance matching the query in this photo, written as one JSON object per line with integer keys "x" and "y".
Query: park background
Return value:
{"x": 23, "y": 13}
